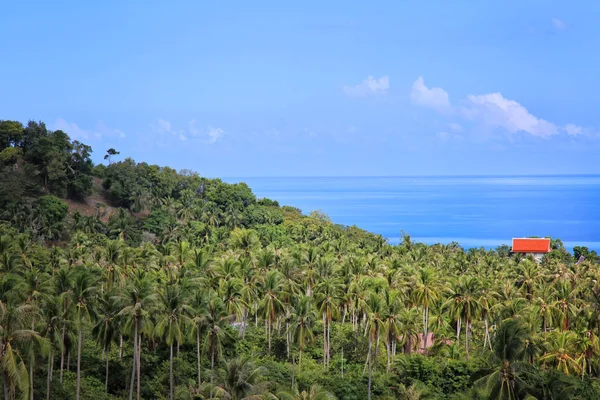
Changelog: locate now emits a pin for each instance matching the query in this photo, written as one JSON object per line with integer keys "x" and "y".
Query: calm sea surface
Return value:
{"x": 474, "y": 211}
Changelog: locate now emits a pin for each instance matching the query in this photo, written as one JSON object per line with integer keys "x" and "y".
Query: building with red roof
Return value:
{"x": 536, "y": 247}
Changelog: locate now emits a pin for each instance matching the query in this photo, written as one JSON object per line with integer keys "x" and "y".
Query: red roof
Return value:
{"x": 531, "y": 245}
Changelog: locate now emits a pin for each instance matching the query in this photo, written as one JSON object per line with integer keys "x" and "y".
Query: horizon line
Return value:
{"x": 414, "y": 176}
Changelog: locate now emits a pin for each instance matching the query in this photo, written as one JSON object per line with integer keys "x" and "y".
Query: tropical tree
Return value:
{"x": 271, "y": 303}
{"x": 137, "y": 299}
{"x": 172, "y": 322}
{"x": 427, "y": 291}
{"x": 83, "y": 294}
{"x": 504, "y": 381}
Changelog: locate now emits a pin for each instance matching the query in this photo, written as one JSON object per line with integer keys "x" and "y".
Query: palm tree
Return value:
{"x": 409, "y": 327}
{"x": 51, "y": 317}
{"x": 217, "y": 319}
{"x": 271, "y": 303}
{"x": 375, "y": 325}
{"x": 561, "y": 346}
{"x": 241, "y": 380}
{"x": 172, "y": 322}
{"x": 137, "y": 299}
{"x": 504, "y": 381}
{"x": 15, "y": 323}
{"x": 328, "y": 294}
{"x": 393, "y": 307}
{"x": 198, "y": 313}
{"x": 107, "y": 328}
{"x": 83, "y": 292}
{"x": 303, "y": 317}
{"x": 426, "y": 292}
{"x": 464, "y": 302}
{"x": 63, "y": 290}
{"x": 315, "y": 392}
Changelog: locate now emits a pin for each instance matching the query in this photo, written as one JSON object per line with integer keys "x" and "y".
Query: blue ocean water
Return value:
{"x": 474, "y": 211}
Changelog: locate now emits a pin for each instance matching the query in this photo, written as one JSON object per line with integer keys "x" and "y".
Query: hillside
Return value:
{"x": 134, "y": 280}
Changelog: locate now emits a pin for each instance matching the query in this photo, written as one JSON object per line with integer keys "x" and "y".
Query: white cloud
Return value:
{"x": 443, "y": 136}
{"x": 163, "y": 126}
{"x": 491, "y": 110}
{"x": 436, "y": 98}
{"x": 369, "y": 86}
{"x": 496, "y": 111}
{"x": 214, "y": 134}
{"x": 454, "y": 127}
{"x": 573, "y": 130}
{"x": 94, "y": 134}
{"x": 446, "y": 136}
{"x": 559, "y": 25}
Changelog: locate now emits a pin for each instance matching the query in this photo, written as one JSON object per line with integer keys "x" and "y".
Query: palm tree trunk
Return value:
{"x": 369, "y": 356}
{"x": 171, "y": 373}
{"x": 49, "y": 374}
{"x": 62, "y": 354}
{"x": 328, "y": 342}
{"x": 106, "y": 377}
{"x": 425, "y": 330}
{"x": 389, "y": 353}
{"x": 467, "y": 325}
{"x": 138, "y": 365}
{"x": 487, "y": 334}
{"x": 31, "y": 379}
{"x": 5, "y": 385}
{"x": 458, "y": 323}
{"x": 293, "y": 372}
{"x": 324, "y": 340}
{"x": 52, "y": 365}
{"x": 120, "y": 347}
{"x": 269, "y": 328}
{"x": 132, "y": 382}
{"x": 79, "y": 340}
{"x": 287, "y": 339}
{"x": 198, "y": 354}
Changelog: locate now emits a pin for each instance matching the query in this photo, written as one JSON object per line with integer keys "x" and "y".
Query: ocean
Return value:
{"x": 475, "y": 211}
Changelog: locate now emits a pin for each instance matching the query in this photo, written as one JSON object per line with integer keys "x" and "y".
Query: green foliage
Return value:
{"x": 53, "y": 209}
{"x": 251, "y": 296}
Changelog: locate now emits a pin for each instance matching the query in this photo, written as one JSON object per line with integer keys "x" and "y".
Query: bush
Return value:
{"x": 52, "y": 208}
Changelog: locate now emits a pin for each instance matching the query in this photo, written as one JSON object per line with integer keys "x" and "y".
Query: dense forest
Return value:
{"x": 127, "y": 280}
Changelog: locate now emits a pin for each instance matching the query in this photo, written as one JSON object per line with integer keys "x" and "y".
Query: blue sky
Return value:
{"x": 313, "y": 88}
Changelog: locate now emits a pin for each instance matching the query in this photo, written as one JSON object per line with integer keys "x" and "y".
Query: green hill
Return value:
{"x": 130, "y": 280}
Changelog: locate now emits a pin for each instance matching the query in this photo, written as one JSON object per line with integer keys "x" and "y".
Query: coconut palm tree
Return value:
{"x": 106, "y": 330}
{"x": 241, "y": 380}
{"x": 328, "y": 295}
{"x": 504, "y": 380}
{"x": 172, "y": 322}
{"x": 197, "y": 311}
{"x": 137, "y": 299}
{"x": 427, "y": 291}
{"x": 561, "y": 347}
{"x": 83, "y": 294}
{"x": 464, "y": 302}
{"x": 375, "y": 325}
{"x": 15, "y": 324}
{"x": 51, "y": 312}
{"x": 271, "y": 303}
{"x": 314, "y": 392}
{"x": 217, "y": 320}
{"x": 303, "y": 317}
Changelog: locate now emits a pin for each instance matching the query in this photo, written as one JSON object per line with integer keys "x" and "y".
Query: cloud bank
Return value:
{"x": 76, "y": 132}
{"x": 369, "y": 86}
{"x": 209, "y": 136}
{"x": 491, "y": 110}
